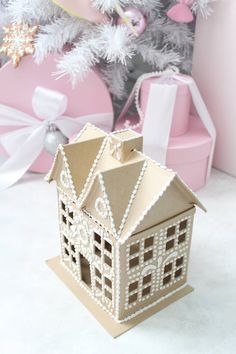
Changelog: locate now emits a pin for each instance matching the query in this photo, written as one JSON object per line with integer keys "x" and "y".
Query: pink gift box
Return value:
{"x": 189, "y": 153}
{"x": 190, "y": 144}
{"x": 17, "y": 87}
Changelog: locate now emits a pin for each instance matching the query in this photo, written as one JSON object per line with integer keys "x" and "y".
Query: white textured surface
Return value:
{"x": 39, "y": 315}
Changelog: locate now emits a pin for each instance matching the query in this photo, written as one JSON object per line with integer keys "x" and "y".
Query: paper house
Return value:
{"x": 125, "y": 222}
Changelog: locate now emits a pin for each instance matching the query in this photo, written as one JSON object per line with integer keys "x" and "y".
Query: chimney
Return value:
{"x": 122, "y": 143}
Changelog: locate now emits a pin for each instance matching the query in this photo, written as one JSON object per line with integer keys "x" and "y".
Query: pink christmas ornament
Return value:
{"x": 82, "y": 9}
{"x": 181, "y": 12}
{"x": 135, "y": 17}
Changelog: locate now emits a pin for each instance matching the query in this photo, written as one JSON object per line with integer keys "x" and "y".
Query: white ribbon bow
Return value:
{"x": 24, "y": 145}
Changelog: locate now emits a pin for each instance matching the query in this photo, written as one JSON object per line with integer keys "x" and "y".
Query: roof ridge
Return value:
{"x": 190, "y": 191}
{"x": 163, "y": 167}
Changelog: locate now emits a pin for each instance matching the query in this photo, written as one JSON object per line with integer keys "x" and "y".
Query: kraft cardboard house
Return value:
{"x": 125, "y": 222}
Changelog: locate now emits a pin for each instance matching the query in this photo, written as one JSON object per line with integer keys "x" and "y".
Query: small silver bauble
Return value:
{"x": 53, "y": 138}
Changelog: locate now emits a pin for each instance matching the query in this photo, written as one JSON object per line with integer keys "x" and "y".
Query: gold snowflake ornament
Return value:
{"x": 18, "y": 41}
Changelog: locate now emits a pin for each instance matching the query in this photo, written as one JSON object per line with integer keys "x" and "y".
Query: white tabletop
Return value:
{"x": 39, "y": 315}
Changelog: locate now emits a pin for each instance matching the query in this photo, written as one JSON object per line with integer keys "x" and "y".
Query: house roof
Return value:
{"x": 106, "y": 167}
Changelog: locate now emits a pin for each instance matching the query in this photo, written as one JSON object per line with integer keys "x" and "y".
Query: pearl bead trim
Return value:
{"x": 155, "y": 200}
{"x": 136, "y": 90}
{"x": 133, "y": 195}
{"x": 107, "y": 203}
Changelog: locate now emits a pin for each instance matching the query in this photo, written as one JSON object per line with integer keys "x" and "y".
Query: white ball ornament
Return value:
{"x": 53, "y": 138}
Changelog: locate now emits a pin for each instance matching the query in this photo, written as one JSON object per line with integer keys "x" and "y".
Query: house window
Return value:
{"x": 108, "y": 246}
{"x": 170, "y": 231}
{"x": 134, "y": 248}
{"x": 97, "y": 238}
{"x": 98, "y": 285}
{"x": 103, "y": 284}
{"x": 148, "y": 242}
{"x": 178, "y": 273}
{"x": 66, "y": 240}
{"x": 85, "y": 270}
{"x": 147, "y": 256}
{"x": 63, "y": 206}
{"x": 179, "y": 261}
{"x": 72, "y": 248}
{"x": 146, "y": 291}
{"x": 147, "y": 279}
{"x": 168, "y": 268}
{"x": 102, "y": 249}
{"x": 108, "y": 282}
{"x": 170, "y": 244}
{"x": 146, "y": 285}
{"x": 181, "y": 238}
{"x": 133, "y": 286}
{"x": 97, "y": 251}
{"x": 71, "y": 214}
{"x": 167, "y": 279}
{"x": 133, "y": 298}
{"x": 148, "y": 249}
{"x": 108, "y": 294}
{"x": 140, "y": 290}
{"x": 132, "y": 292}
{"x": 98, "y": 273}
{"x": 183, "y": 225}
{"x": 134, "y": 262}
{"x": 107, "y": 260}
{"x": 173, "y": 271}
{"x": 66, "y": 212}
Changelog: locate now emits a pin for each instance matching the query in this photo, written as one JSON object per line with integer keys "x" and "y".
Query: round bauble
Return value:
{"x": 53, "y": 138}
{"x": 135, "y": 17}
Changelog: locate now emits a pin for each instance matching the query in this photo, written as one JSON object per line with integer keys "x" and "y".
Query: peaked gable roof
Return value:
{"x": 117, "y": 194}
{"x": 130, "y": 189}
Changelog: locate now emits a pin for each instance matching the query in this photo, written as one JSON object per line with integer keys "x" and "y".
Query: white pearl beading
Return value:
{"x": 133, "y": 195}
{"x": 136, "y": 91}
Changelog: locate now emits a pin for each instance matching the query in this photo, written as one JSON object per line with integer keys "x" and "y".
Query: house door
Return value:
{"x": 85, "y": 270}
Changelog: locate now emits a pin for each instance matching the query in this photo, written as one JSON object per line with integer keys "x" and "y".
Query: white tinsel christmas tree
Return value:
{"x": 112, "y": 45}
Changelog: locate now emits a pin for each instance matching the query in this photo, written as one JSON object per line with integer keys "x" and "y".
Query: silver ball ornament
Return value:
{"x": 53, "y": 138}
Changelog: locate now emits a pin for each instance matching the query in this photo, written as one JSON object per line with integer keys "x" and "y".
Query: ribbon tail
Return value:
{"x": 158, "y": 120}
{"x": 206, "y": 119}
{"x": 17, "y": 164}
{"x": 12, "y": 117}
{"x": 13, "y": 139}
